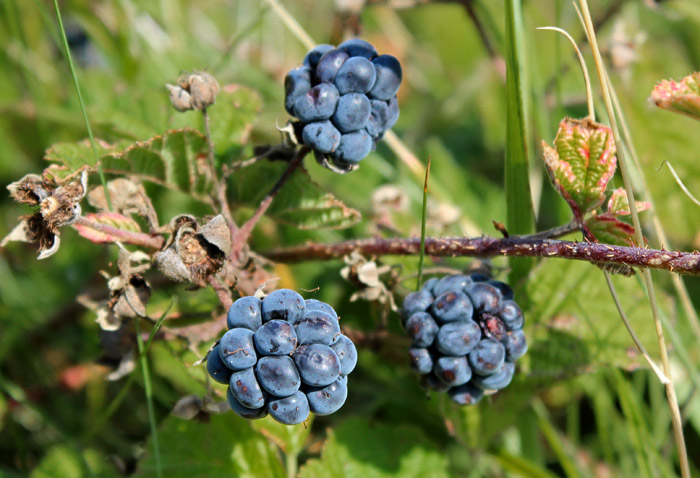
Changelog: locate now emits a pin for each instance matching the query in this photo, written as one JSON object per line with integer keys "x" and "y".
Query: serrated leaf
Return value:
{"x": 109, "y": 218}
{"x": 610, "y": 230}
{"x": 300, "y": 203}
{"x": 618, "y": 204}
{"x": 226, "y": 446}
{"x": 73, "y": 156}
{"x": 681, "y": 97}
{"x": 581, "y": 163}
{"x": 573, "y": 325}
{"x": 175, "y": 159}
{"x": 231, "y": 117}
{"x": 358, "y": 448}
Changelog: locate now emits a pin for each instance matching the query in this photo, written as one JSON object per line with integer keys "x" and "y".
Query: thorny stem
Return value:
{"x": 128, "y": 237}
{"x": 246, "y": 229}
{"x": 687, "y": 263}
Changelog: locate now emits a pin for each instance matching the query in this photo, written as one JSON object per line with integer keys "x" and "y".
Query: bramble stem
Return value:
{"x": 687, "y": 263}
{"x": 247, "y": 228}
{"x": 128, "y": 237}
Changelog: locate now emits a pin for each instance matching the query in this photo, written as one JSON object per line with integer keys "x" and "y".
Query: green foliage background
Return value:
{"x": 583, "y": 403}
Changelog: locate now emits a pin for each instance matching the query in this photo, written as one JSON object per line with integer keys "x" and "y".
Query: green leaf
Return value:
{"x": 290, "y": 439}
{"x": 175, "y": 159}
{"x": 109, "y": 218}
{"x": 581, "y": 163}
{"x": 63, "y": 461}
{"x": 358, "y": 448}
{"x": 520, "y": 217}
{"x": 300, "y": 203}
{"x": 618, "y": 205}
{"x": 573, "y": 325}
{"x": 226, "y": 446}
{"x": 682, "y": 97}
{"x": 231, "y": 117}
{"x": 73, "y": 156}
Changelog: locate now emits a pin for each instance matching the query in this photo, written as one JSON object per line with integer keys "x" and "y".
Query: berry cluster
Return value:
{"x": 467, "y": 335}
{"x": 284, "y": 356}
{"x": 345, "y": 99}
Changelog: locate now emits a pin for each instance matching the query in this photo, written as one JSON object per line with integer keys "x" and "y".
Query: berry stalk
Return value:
{"x": 686, "y": 263}
{"x": 247, "y": 228}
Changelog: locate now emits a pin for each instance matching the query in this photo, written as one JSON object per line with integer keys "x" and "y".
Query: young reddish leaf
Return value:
{"x": 581, "y": 163}
{"x": 682, "y": 97}
{"x": 618, "y": 205}
{"x": 610, "y": 230}
{"x": 109, "y": 218}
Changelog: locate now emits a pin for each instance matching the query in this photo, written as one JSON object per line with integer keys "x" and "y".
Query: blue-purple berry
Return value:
{"x": 452, "y": 306}
{"x": 278, "y": 375}
{"x": 290, "y": 410}
{"x": 388, "y": 77}
{"x": 284, "y": 356}
{"x": 328, "y": 399}
{"x": 236, "y": 349}
{"x": 353, "y": 147}
{"x": 422, "y": 328}
{"x": 245, "y": 312}
{"x": 283, "y": 304}
{"x": 458, "y": 338}
{"x": 487, "y": 357}
{"x": 346, "y": 351}
{"x": 357, "y": 75}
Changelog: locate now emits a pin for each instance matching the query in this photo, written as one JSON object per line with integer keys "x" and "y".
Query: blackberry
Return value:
{"x": 283, "y": 356}
{"x": 467, "y": 334}
{"x": 345, "y": 100}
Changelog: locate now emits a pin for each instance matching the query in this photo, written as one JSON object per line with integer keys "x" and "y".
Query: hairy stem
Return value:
{"x": 687, "y": 263}
{"x": 128, "y": 237}
{"x": 246, "y": 229}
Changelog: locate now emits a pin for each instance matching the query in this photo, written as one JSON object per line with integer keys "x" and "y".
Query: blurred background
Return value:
{"x": 583, "y": 402}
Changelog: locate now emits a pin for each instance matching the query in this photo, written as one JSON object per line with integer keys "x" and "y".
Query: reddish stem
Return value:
{"x": 243, "y": 233}
{"x": 687, "y": 263}
{"x": 151, "y": 241}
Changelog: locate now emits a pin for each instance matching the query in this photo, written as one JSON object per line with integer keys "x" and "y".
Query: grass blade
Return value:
{"x": 117, "y": 401}
{"x": 520, "y": 217}
{"x": 66, "y": 50}
{"x": 670, "y": 390}
{"x": 422, "y": 225}
{"x": 145, "y": 372}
